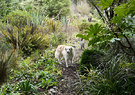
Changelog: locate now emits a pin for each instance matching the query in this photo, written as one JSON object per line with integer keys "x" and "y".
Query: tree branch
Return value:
{"x": 58, "y": 14}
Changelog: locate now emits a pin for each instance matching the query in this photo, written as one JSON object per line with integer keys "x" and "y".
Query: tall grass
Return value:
{"x": 7, "y": 60}
{"x": 115, "y": 79}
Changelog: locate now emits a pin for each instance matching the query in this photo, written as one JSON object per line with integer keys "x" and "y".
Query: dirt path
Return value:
{"x": 69, "y": 84}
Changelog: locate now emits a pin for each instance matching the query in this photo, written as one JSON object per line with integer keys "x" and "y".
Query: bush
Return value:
{"x": 52, "y": 26}
{"x": 83, "y": 26}
{"x": 90, "y": 57}
{"x": 27, "y": 39}
{"x": 18, "y": 18}
{"x": 56, "y": 5}
{"x": 116, "y": 78}
{"x": 57, "y": 39}
{"x": 7, "y": 61}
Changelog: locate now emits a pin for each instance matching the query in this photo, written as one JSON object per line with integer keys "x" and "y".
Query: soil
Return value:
{"x": 69, "y": 84}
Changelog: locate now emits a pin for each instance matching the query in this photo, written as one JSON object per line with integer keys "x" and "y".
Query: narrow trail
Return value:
{"x": 69, "y": 84}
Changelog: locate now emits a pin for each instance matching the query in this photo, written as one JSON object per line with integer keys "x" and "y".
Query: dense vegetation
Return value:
{"x": 30, "y": 30}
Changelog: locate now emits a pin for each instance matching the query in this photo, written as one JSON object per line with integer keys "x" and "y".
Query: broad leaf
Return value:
{"x": 105, "y": 3}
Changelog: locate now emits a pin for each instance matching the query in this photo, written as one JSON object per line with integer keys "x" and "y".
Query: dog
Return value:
{"x": 66, "y": 52}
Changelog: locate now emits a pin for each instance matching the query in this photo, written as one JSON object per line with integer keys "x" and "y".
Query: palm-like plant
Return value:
{"x": 6, "y": 60}
{"x": 26, "y": 39}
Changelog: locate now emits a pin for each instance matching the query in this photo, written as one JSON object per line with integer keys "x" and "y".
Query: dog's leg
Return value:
{"x": 66, "y": 60}
{"x": 59, "y": 60}
{"x": 66, "y": 64}
{"x": 72, "y": 60}
{"x": 58, "y": 57}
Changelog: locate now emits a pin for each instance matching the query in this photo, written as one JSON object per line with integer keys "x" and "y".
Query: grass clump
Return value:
{"x": 115, "y": 79}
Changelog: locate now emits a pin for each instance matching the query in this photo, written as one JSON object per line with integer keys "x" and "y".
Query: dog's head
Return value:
{"x": 68, "y": 49}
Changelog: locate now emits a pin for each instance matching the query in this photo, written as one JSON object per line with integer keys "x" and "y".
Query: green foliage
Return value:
{"x": 55, "y": 6}
{"x": 52, "y": 26}
{"x": 119, "y": 24}
{"x": 3, "y": 8}
{"x": 38, "y": 18}
{"x": 7, "y": 6}
{"x": 126, "y": 9}
{"x": 48, "y": 63}
{"x": 97, "y": 34}
{"x": 7, "y": 61}
{"x": 105, "y": 3}
{"x": 18, "y": 18}
{"x": 25, "y": 87}
{"x": 57, "y": 39}
{"x": 8, "y": 89}
{"x": 83, "y": 26}
{"x": 32, "y": 5}
{"x": 46, "y": 80}
{"x": 88, "y": 58}
{"x": 29, "y": 73}
{"x": 3, "y": 26}
{"x": 115, "y": 78}
{"x": 27, "y": 39}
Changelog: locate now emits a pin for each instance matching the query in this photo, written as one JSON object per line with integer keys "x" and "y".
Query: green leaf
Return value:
{"x": 114, "y": 39}
{"x": 82, "y": 36}
{"x": 48, "y": 81}
{"x": 105, "y": 3}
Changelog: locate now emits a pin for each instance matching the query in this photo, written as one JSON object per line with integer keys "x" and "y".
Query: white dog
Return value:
{"x": 67, "y": 52}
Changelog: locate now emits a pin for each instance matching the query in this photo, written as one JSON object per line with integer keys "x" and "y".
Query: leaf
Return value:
{"x": 105, "y": 3}
{"x": 117, "y": 19}
{"x": 48, "y": 81}
{"x": 82, "y": 36}
{"x": 114, "y": 39}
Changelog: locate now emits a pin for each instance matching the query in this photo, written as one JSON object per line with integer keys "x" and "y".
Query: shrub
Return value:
{"x": 57, "y": 39}
{"x": 52, "y": 26}
{"x": 90, "y": 57}
{"x": 7, "y": 61}
{"x": 27, "y": 39}
{"x": 116, "y": 78}
{"x": 55, "y": 6}
{"x": 18, "y": 18}
{"x": 3, "y": 26}
{"x": 83, "y": 26}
